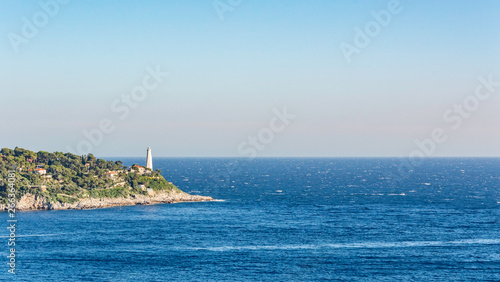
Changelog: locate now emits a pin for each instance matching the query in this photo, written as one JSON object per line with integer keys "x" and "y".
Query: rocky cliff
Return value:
{"x": 34, "y": 202}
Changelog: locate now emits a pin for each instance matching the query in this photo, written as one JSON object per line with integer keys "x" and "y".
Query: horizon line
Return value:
{"x": 299, "y": 157}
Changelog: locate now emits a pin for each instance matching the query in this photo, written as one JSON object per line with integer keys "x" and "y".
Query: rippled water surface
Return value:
{"x": 281, "y": 219}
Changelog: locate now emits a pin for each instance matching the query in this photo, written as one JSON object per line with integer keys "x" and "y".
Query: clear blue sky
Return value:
{"x": 226, "y": 77}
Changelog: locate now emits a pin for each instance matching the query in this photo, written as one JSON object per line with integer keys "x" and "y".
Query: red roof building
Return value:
{"x": 40, "y": 171}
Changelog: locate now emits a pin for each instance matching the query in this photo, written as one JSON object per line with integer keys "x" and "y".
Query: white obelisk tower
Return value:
{"x": 149, "y": 160}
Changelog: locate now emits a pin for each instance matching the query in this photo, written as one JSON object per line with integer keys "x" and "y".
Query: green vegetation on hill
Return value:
{"x": 66, "y": 178}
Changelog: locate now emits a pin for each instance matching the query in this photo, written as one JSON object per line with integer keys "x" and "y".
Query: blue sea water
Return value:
{"x": 281, "y": 220}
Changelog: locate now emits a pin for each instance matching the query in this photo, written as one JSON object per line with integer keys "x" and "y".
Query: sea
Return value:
{"x": 279, "y": 219}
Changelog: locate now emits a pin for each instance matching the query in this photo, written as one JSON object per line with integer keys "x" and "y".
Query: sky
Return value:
{"x": 256, "y": 78}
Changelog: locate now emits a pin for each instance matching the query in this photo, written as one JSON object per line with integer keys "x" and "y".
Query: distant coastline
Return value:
{"x": 56, "y": 181}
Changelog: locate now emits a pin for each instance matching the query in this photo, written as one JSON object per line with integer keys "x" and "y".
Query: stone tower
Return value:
{"x": 149, "y": 160}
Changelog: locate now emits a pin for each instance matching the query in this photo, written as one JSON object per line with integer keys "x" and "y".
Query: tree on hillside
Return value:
{"x": 7, "y": 152}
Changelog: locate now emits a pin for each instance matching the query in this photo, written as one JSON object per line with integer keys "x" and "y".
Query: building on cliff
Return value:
{"x": 40, "y": 171}
{"x": 149, "y": 159}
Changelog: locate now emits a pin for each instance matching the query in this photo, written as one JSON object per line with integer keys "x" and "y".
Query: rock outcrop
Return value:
{"x": 35, "y": 202}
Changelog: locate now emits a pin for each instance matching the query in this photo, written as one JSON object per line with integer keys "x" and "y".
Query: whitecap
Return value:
{"x": 361, "y": 245}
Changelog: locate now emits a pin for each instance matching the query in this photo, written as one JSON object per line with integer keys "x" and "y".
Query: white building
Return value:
{"x": 40, "y": 171}
{"x": 112, "y": 174}
{"x": 149, "y": 159}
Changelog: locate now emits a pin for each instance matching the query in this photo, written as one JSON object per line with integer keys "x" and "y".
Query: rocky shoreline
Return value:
{"x": 29, "y": 202}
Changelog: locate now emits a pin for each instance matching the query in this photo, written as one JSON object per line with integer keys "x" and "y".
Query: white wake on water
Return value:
{"x": 366, "y": 245}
